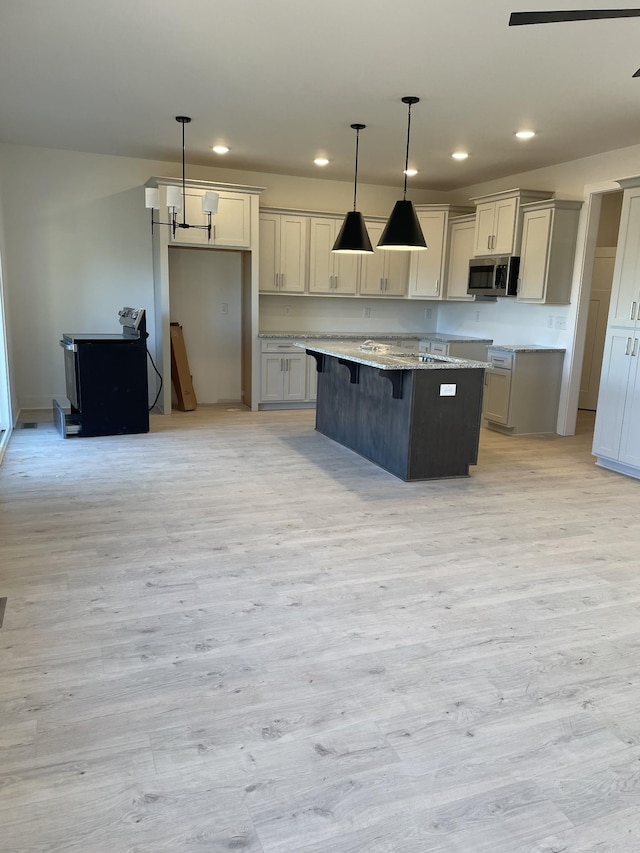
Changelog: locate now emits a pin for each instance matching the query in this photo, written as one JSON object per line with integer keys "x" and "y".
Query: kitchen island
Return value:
{"x": 417, "y": 416}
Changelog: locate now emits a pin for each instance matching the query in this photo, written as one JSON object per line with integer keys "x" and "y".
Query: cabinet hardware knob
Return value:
{"x": 627, "y": 349}
{"x": 634, "y": 351}
{"x": 633, "y": 310}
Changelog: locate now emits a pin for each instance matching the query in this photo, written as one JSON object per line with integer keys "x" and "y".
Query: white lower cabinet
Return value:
{"x": 616, "y": 436}
{"x": 284, "y": 377}
{"x": 522, "y": 390}
{"x": 287, "y": 373}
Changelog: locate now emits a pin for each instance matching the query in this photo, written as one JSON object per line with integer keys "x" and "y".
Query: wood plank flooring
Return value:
{"x": 234, "y": 634}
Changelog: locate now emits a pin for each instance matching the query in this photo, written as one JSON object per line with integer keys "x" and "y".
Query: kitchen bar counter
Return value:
{"x": 420, "y": 420}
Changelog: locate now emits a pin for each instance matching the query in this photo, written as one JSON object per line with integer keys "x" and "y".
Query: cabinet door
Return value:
{"x": 193, "y": 215}
{"x": 461, "y": 237}
{"x": 346, "y": 270}
{"x": 497, "y": 395}
{"x": 295, "y": 377}
{"x": 321, "y": 273}
{"x": 396, "y": 273}
{"x": 485, "y": 216}
{"x": 534, "y": 262}
{"x": 269, "y": 254}
{"x": 630, "y": 437}
{"x": 614, "y": 379}
{"x": 231, "y": 225}
{"x": 293, "y": 253}
{"x": 504, "y": 229}
{"x": 272, "y": 379}
{"x": 372, "y": 271}
{"x": 427, "y": 266}
{"x": 625, "y": 294}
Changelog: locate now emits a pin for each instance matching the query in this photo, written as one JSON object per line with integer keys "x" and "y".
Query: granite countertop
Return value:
{"x": 343, "y": 336}
{"x": 443, "y": 337}
{"x": 525, "y": 348}
{"x": 388, "y": 357}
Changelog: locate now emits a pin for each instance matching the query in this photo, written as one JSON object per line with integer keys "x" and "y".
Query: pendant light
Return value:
{"x": 176, "y": 199}
{"x": 403, "y": 231}
{"x": 353, "y": 238}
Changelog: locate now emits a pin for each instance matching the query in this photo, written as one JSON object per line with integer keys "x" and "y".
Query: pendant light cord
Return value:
{"x": 406, "y": 160}
{"x": 355, "y": 180}
{"x": 184, "y": 192}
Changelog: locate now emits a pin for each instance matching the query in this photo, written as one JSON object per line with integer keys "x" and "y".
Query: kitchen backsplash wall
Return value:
{"x": 318, "y": 314}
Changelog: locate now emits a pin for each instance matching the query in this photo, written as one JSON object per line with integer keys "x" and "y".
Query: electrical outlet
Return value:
{"x": 287, "y": 310}
{"x": 561, "y": 323}
{"x": 428, "y": 313}
{"x": 224, "y": 308}
{"x": 366, "y": 312}
{"x": 477, "y": 316}
{"x": 550, "y": 322}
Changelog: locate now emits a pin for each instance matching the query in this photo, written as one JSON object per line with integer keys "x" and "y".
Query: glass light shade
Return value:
{"x": 174, "y": 198}
{"x": 210, "y": 202}
{"x": 353, "y": 238}
{"x": 402, "y": 231}
{"x": 152, "y": 198}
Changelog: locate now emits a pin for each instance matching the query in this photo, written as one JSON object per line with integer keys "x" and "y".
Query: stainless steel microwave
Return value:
{"x": 493, "y": 276}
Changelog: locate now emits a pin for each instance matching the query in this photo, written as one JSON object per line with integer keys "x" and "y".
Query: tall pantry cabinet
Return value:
{"x": 616, "y": 440}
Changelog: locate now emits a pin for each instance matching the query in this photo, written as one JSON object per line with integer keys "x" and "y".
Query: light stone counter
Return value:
{"x": 386, "y": 357}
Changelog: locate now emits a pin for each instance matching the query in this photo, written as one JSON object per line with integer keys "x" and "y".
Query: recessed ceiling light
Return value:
{"x": 321, "y": 161}
{"x": 525, "y": 134}
{"x": 410, "y": 173}
{"x": 221, "y": 149}
{"x": 460, "y": 155}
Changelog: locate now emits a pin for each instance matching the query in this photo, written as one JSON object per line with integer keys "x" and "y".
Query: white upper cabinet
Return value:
{"x": 549, "y": 232}
{"x": 283, "y": 252}
{"x": 499, "y": 221}
{"x": 383, "y": 273}
{"x": 230, "y": 226}
{"x": 427, "y": 268}
{"x": 330, "y": 273}
{"x": 459, "y": 253}
{"x": 625, "y": 291}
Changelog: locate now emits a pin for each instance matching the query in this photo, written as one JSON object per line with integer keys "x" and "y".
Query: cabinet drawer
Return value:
{"x": 279, "y": 346}
{"x": 501, "y": 359}
{"x": 439, "y": 348}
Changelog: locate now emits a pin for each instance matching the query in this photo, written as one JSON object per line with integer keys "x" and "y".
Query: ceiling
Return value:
{"x": 281, "y": 81}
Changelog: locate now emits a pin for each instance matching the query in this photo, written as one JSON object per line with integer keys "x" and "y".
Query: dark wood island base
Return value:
{"x": 418, "y": 422}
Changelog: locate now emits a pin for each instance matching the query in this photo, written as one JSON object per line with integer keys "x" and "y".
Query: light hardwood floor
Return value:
{"x": 234, "y": 634}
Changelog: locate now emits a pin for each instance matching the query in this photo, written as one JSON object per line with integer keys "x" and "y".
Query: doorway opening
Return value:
{"x": 599, "y": 299}
{"x": 206, "y": 299}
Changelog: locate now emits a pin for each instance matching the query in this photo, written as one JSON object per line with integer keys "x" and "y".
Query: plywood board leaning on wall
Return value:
{"x": 180, "y": 373}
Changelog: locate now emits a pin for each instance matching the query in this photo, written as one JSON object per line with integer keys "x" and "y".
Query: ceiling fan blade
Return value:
{"x": 518, "y": 19}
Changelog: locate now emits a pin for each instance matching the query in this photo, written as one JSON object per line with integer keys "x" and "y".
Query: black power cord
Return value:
{"x": 159, "y": 377}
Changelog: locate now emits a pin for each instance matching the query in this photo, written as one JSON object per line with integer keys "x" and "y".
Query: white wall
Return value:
{"x": 345, "y": 314}
{"x": 78, "y": 245}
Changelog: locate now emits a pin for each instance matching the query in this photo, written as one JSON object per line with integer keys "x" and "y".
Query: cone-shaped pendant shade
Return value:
{"x": 353, "y": 238}
{"x": 402, "y": 231}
